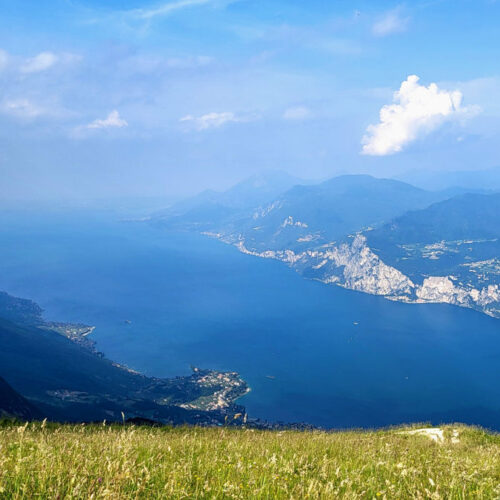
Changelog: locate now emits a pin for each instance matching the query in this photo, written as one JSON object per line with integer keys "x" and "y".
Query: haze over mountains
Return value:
{"x": 470, "y": 180}
{"x": 379, "y": 236}
{"x": 212, "y": 205}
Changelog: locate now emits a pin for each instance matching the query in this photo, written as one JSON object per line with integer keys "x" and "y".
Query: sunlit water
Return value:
{"x": 163, "y": 301}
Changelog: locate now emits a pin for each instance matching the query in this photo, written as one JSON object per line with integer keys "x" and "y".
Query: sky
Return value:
{"x": 128, "y": 98}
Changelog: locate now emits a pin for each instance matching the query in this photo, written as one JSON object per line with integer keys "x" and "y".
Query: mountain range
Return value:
{"x": 378, "y": 236}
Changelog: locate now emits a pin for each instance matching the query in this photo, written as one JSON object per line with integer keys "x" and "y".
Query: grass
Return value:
{"x": 92, "y": 461}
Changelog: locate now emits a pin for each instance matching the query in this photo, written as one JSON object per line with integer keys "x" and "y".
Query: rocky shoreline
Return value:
{"x": 352, "y": 264}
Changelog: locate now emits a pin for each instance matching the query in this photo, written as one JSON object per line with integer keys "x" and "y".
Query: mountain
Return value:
{"x": 208, "y": 208}
{"x": 306, "y": 216}
{"x": 469, "y": 216}
{"x": 447, "y": 252}
{"x": 378, "y": 236}
{"x": 450, "y": 250}
{"x": 258, "y": 189}
{"x": 13, "y": 405}
{"x": 68, "y": 381}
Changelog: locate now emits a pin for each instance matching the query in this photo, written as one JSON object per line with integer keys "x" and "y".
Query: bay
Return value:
{"x": 162, "y": 302}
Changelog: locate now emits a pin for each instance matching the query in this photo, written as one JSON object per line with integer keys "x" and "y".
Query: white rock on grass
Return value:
{"x": 435, "y": 434}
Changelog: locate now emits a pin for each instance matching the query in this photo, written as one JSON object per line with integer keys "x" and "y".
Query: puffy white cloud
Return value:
{"x": 211, "y": 120}
{"x": 297, "y": 113}
{"x": 417, "y": 110}
{"x": 112, "y": 120}
{"x": 41, "y": 62}
{"x": 391, "y": 22}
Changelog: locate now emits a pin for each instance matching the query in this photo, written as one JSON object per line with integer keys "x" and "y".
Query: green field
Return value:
{"x": 83, "y": 461}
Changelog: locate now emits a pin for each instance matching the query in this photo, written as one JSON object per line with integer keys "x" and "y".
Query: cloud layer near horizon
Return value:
{"x": 416, "y": 111}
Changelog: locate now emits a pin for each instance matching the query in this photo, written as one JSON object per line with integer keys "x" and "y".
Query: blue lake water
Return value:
{"x": 310, "y": 352}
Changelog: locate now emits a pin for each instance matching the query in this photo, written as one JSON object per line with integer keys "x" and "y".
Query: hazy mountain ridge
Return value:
{"x": 312, "y": 215}
{"x": 379, "y": 236}
{"x": 302, "y": 214}
{"x": 209, "y": 208}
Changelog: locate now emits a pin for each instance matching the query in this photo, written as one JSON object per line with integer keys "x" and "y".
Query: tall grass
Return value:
{"x": 68, "y": 461}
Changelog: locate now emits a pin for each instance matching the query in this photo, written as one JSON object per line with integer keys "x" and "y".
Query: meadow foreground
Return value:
{"x": 98, "y": 461}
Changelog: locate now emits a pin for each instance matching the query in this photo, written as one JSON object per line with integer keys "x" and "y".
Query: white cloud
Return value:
{"x": 41, "y": 62}
{"x": 297, "y": 113}
{"x": 390, "y": 23}
{"x": 211, "y": 120}
{"x": 112, "y": 120}
{"x": 168, "y": 8}
{"x": 22, "y": 108}
{"x": 417, "y": 110}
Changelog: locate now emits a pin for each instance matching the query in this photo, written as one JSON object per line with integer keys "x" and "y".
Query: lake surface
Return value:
{"x": 310, "y": 352}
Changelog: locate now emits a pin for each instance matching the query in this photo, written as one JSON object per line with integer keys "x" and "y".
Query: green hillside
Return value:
{"x": 62, "y": 461}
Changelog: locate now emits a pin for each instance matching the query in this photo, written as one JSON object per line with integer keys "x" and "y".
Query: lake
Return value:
{"x": 310, "y": 352}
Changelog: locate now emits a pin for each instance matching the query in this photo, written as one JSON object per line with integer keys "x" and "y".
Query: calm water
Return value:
{"x": 310, "y": 352}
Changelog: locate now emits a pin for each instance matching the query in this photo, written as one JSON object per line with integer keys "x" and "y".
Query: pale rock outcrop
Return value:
{"x": 442, "y": 289}
{"x": 366, "y": 272}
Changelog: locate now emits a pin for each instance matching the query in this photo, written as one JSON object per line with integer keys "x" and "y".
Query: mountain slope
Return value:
{"x": 69, "y": 382}
{"x": 469, "y": 216}
{"x": 452, "y": 249}
{"x": 448, "y": 252}
{"x": 13, "y": 405}
{"x": 210, "y": 208}
{"x": 306, "y": 216}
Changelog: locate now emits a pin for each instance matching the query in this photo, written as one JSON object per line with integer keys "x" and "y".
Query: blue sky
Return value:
{"x": 134, "y": 98}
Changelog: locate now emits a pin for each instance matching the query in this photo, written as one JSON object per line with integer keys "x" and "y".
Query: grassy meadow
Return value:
{"x": 97, "y": 461}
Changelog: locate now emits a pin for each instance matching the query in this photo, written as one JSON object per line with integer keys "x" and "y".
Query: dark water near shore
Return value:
{"x": 310, "y": 352}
